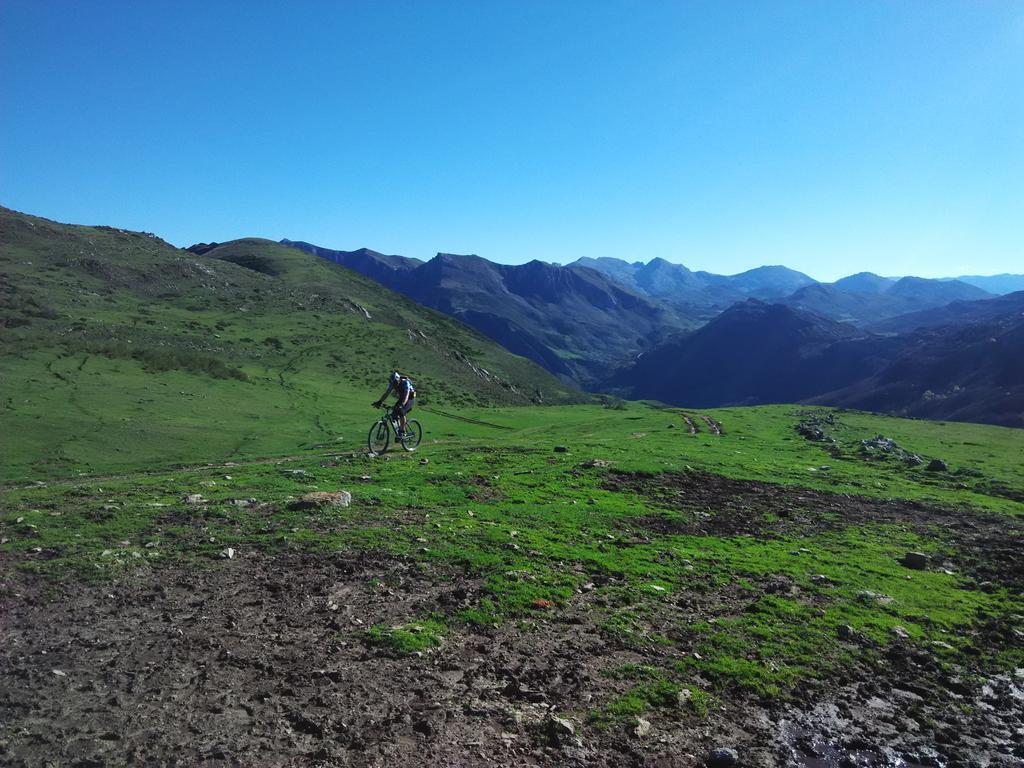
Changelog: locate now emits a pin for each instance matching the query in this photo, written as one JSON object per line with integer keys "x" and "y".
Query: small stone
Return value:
{"x": 595, "y": 463}
{"x": 424, "y": 461}
{"x": 228, "y": 553}
{"x": 722, "y": 757}
{"x": 642, "y": 728}
{"x": 561, "y": 449}
{"x": 194, "y": 498}
{"x": 937, "y": 465}
{"x": 916, "y": 561}
{"x": 900, "y": 632}
{"x": 293, "y": 472}
{"x": 846, "y": 632}
{"x": 60, "y": 673}
{"x": 560, "y": 729}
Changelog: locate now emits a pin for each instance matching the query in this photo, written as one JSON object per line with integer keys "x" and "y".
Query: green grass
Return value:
{"x": 409, "y": 638}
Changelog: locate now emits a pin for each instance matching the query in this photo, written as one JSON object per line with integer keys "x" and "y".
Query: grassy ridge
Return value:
{"x": 119, "y": 350}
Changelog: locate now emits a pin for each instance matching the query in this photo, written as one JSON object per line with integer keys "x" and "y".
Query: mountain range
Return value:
{"x": 242, "y": 309}
{"x": 703, "y": 292}
{"x": 662, "y": 331}
{"x": 577, "y": 323}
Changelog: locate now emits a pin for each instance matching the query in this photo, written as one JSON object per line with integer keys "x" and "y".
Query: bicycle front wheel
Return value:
{"x": 380, "y": 436}
{"x": 413, "y": 435}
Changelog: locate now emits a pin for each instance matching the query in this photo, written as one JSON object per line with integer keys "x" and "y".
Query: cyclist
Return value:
{"x": 406, "y": 392}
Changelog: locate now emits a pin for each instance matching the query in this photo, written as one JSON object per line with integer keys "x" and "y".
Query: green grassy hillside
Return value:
{"x": 118, "y": 350}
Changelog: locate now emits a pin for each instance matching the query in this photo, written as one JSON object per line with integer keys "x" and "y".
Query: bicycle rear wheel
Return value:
{"x": 413, "y": 435}
{"x": 379, "y": 438}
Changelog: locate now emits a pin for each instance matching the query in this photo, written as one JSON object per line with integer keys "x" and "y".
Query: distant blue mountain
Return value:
{"x": 702, "y": 291}
{"x": 998, "y": 284}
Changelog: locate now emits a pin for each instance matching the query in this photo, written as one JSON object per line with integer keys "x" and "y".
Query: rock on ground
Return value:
{"x": 318, "y": 499}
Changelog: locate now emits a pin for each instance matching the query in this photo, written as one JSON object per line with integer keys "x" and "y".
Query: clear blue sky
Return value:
{"x": 828, "y": 136}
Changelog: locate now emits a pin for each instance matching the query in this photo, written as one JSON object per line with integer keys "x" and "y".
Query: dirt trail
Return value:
{"x": 166, "y": 470}
{"x": 714, "y": 426}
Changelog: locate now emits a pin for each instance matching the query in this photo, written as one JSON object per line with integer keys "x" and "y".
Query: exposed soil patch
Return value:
{"x": 262, "y": 660}
{"x": 484, "y": 490}
{"x": 701, "y": 504}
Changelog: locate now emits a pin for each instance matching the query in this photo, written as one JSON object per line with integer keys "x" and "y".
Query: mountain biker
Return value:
{"x": 406, "y": 393}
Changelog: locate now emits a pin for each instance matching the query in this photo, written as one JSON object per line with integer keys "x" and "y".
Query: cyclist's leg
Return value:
{"x": 405, "y": 412}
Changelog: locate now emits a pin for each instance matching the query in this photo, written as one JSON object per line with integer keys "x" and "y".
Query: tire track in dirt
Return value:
{"x": 714, "y": 426}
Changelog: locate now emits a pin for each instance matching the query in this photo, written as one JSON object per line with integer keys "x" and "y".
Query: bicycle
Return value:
{"x": 380, "y": 433}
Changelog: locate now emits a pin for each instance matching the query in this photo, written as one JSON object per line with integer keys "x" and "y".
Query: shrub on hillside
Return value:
{"x": 156, "y": 359}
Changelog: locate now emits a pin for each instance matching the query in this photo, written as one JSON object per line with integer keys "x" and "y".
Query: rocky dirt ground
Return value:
{"x": 263, "y": 659}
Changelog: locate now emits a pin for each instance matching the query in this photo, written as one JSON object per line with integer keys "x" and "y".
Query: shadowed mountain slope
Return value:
{"x": 963, "y": 373}
{"x": 756, "y": 353}
{"x": 750, "y": 354}
{"x": 577, "y": 323}
{"x": 956, "y": 313}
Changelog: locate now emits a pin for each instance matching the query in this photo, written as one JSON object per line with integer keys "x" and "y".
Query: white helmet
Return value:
{"x": 396, "y": 377}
